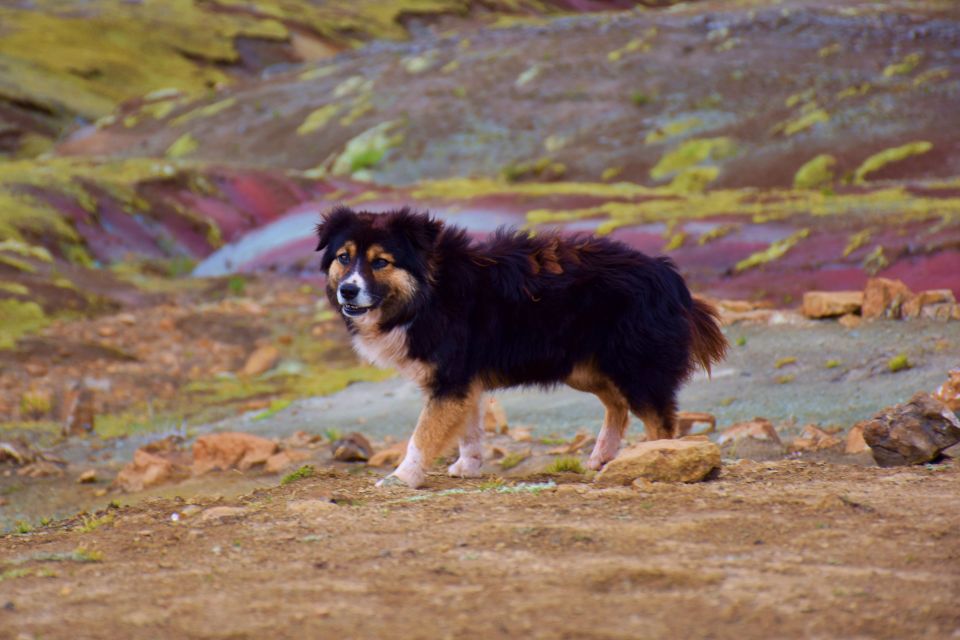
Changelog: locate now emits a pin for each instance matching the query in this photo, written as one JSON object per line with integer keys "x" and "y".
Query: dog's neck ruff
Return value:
{"x": 388, "y": 349}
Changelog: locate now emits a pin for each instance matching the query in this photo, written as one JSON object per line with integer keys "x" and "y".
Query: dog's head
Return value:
{"x": 377, "y": 265}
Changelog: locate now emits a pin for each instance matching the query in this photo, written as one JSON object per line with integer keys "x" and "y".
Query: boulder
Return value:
{"x": 260, "y": 361}
{"x": 757, "y": 429}
{"x": 230, "y": 450}
{"x": 662, "y": 461}
{"x": 146, "y": 470}
{"x": 884, "y": 298}
{"x": 914, "y": 432}
{"x": 687, "y": 420}
{"x": 855, "y": 443}
{"x": 931, "y": 303}
{"x": 354, "y": 447}
{"x": 813, "y": 438}
{"x": 949, "y": 392}
{"x": 494, "y": 417}
{"x": 831, "y": 304}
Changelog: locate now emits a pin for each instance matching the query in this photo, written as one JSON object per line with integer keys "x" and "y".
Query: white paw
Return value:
{"x": 596, "y": 463}
{"x": 466, "y": 468}
{"x": 403, "y": 478}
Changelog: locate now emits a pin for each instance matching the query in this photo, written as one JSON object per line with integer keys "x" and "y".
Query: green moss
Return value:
{"x": 306, "y": 471}
{"x": 832, "y": 363}
{"x": 511, "y": 460}
{"x": 676, "y": 241}
{"x": 856, "y": 241}
{"x": 90, "y": 523}
{"x": 366, "y": 150}
{"x": 183, "y": 146}
{"x": 899, "y": 362}
{"x": 817, "y": 173}
{"x": 19, "y": 319}
{"x": 691, "y": 153}
{"x": 203, "y": 112}
{"x": 14, "y": 288}
{"x": 805, "y": 121}
{"x": 880, "y": 160}
{"x": 640, "y": 99}
{"x": 566, "y": 464}
{"x": 673, "y": 129}
{"x": 903, "y": 67}
{"x": 693, "y": 180}
{"x": 318, "y": 119}
{"x": 875, "y": 261}
{"x": 774, "y": 252}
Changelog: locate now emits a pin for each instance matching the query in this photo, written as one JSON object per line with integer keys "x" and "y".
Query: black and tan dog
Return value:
{"x": 461, "y": 318}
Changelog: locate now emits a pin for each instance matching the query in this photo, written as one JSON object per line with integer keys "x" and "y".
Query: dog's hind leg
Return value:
{"x": 471, "y": 445}
{"x": 615, "y": 419}
{"x": 441, "y": 419}
{"x": 658, "y": 423}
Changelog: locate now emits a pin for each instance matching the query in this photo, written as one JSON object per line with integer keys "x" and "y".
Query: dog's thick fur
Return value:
{"x": 462, "y": 317}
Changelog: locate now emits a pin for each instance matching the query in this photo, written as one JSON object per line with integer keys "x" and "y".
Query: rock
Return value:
{"x": 107, "y": 331}
{"x": 662, "y": 461}
{"x": 310, "y": 508}
{"x": 687, "y": 420}
{"x": 949, "y": 392}
{"x": 87, "y": 477}
{"x": 127, "y": 318}
{"x": 220, "y": 514}
{"x": 757, "y": 429}
{"x": 812, "y": 438}
{"x": 521, "y": 434}
{"x": 35, "y": 369}
{"x": 260, "y": 361}
{"x": 919, "y": 304}
{"x": 850, "y": 321}
{"x": 952, "y": 452}
{"x": 942, "y": 312}
{"x": 830, "y": 304}
{"x": 41, "y": 469}
{"x": 301, "y": 439}
{"x": 884, "y": 298}
{"x": 354, "y": 447}
{"x": 80, "y": 411}
{"x": 914, "y": 432}
{"x": 389, "y": 457}
{"x": 230, "y": 450}
{"x": 146, "y": 470}
{"x": 495, "y": 418}
{"x": 580, "y": 441}
{"x": 283, "y": 459}
{"x": 855, "y": 443}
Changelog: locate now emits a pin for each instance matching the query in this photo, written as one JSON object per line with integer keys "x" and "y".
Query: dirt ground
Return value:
{"x": 786, "y": 549}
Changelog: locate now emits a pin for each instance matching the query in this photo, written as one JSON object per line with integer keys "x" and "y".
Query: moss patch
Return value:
{"x": 19, "y": 319}
{"x": 691, "y": 153}
{"x": 774, "y": 252}
{"x": 366, "y": 150}
{"x": 816, "y": 173}
{"x": 888, "y": 156}
{"x": 318, "y": 119}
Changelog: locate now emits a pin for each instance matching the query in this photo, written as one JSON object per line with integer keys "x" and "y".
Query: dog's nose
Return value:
{"x": 349, "y": 290}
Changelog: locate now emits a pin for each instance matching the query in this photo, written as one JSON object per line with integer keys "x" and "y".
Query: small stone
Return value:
{"x": 35, "y": 369}
{"x": 812, "y": 438}
{"x": 310, "y": 508}
{"x": 127, "y": 318}
{"x": 283, "y": 459}
{"x": 390, "y": 456}
{"x": 301, "y": 439}
{"x": 830, "y": 304}
{"x": 521, "y": 434}
{"x": 494, "y": 417}
{"x": 354, "y": 447}
{"x": 850, "y": 321}
{"x": 230, "y": 450}
{"x": 41, "y": 469}
{"x": 80, "y": 405}
{"x": 884, "y": 298}
{"x": 914, "y": 432}
{"x": 662, "y": 461}
{"x": 922, "y": 303}
{"x": 87, "y": 477}
{"x": 220, "y": 514}
{"x": 855, "y": 443}
{"x": 146, "y": 470}
{"x": 949, "y": 392}
{"x": 260, "y": 361}
{"x": 580, "y": 441}
{"x": 757, "y": 429}
{"x": 107, "y": 331}
{"x": 688, "y": 420}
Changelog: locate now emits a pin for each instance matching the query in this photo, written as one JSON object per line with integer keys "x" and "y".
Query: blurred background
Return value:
{"x": 163, "y": 162}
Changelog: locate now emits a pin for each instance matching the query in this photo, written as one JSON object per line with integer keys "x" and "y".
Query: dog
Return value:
{"x": 461, "y": 317}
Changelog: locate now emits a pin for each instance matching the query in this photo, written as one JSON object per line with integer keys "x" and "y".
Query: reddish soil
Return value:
{"x": 783, "y": 549}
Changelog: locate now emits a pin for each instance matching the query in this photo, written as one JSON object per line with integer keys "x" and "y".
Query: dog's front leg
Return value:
{"x": 442, "y": 418}
{"x": 471, "y": 444}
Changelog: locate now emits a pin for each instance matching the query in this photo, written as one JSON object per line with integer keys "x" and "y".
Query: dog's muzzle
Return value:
{"x": 354, "y": 300}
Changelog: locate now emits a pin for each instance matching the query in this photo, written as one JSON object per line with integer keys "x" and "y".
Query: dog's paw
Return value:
{"x": 466, "y": 468}
{"x": 391, "y": 481}
{"x": 402, "y": 478}
{"x": 596, "y": 463}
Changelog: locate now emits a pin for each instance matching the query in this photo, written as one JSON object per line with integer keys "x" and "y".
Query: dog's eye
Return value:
{"x": 344, "y": 258}
{"x": 379, "y": 263}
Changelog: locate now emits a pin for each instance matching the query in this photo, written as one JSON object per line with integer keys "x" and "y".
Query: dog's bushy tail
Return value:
{"x": 708, "y": 342}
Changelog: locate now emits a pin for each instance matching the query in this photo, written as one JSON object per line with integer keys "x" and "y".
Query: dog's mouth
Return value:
{"x": 354, "y": 311}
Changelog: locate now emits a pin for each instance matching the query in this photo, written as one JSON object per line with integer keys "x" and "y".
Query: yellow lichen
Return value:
{"x": 691, "y": 153}
{"x": 888, "y": 156}
{"x": 816, "y": 173}
{"x": 856, "y": 241}
{"x": 182, "y": 146}
{"x": 774, "y": 252}
{"x": 318, "y": 119}
{"x": 673, "y": 129}
{"x": 19, "y": 319}
{"x": 807, "y": 120}
{"x": 903, "y": 67}
{"x": 204, "y": 112}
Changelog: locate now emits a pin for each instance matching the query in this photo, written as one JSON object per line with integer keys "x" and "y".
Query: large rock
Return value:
{"x": 936, "y": 304}
{"x": 230, "y": 450}
{"x": 913, "y": 432}
{"x": 884, "y": 298}
{"x": 831, "y": 304}
{"x": 146, "y": 470}
{"x": 662, "y": 461}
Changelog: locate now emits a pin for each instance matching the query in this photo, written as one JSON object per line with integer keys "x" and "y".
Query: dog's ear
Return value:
{"x": 333, "y": 222}
{"x": 421, "y": 229}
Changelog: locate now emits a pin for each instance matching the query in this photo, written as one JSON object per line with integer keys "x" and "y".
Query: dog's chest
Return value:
{"x": 389, "y": 350}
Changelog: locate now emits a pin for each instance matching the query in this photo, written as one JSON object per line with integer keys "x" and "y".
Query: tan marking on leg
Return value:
{"x": 616, "y": 418}
{"x": 470, "y": 461}
{"x": 655, "y": 426}
{"x": 440, "y": 421}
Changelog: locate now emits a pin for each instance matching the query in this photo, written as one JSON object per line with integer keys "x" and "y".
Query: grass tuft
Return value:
{"x": 566, "y": 464}
{"x": 306, "y": 471}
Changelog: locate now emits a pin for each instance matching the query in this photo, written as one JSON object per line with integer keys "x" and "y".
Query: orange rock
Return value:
{"x": 757, "y": 429}
{"x": 812, "y": 438}
{"x": 855, "y": 442}
{"x": 521, "y": 434}
{"x": 495, "y": 418}
{"x": 662, "y": 461}
{"x": 389, "y": 457}
{"x": 687, "y": 419}
{"x": 829, "y": 304}
{"x": 884, "y": 298}
{"x": 230, "y": 450}
{"x": 280, "y": 461}
{"x": 918, "y": 304}
{"x": 850, "y": 321}
{"x": 579, "y": 441}
{"x": 949, "y": 392}
{"x": 354, "y": 447}
{"x": 260, "y": 361}
{"x": 146, "y": 470}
